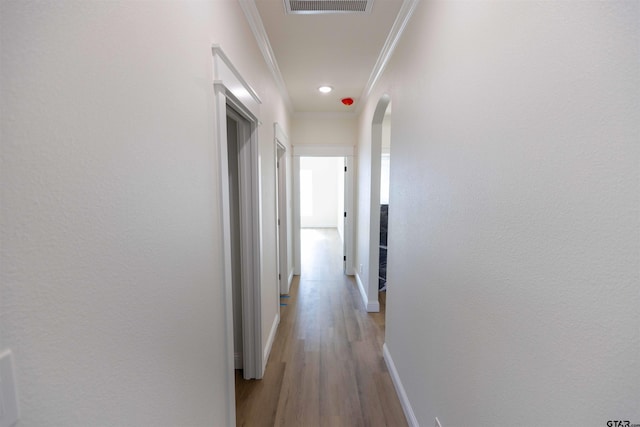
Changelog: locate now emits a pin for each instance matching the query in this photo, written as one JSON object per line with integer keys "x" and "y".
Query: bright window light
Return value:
{"x": 385, "y": 163}
{"x": 306, "y": 192}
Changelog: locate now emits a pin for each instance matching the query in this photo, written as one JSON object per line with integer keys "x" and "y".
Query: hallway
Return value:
{"x": 326, "y": 366}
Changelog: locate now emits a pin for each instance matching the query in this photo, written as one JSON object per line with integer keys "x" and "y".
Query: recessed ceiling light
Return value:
{"x": 325, "y": 89}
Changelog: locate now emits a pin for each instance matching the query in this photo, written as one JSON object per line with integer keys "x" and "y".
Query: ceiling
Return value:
{"x": 342, "y": 50}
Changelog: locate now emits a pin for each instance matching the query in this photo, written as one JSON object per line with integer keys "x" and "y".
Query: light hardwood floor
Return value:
{"x": 326, "y": 366}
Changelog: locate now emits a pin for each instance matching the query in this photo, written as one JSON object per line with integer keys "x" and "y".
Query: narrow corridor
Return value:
{"x": 326, "y": 366}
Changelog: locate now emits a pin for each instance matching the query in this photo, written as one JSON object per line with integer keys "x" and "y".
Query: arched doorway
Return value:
{"x": 379, "y": 132}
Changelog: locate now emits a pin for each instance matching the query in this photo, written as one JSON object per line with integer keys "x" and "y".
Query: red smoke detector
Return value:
{"x": 347, "y": 101}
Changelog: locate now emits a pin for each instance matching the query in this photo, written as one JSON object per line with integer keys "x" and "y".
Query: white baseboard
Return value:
{"x": 402, "y": 394}
{"x": 272, "y": 337}
{"x": 363, "y": 292}
{"x": 370, "y": 306}
{"x": 290, "y": 278}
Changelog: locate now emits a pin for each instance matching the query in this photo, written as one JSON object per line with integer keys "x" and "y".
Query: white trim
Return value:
{"x": 221, "y": 127}
{"x": 227, "y": 74}
{"x": 270, "y": 340}
{"x": 257, "y": 27}
{"x": 363, "y": 292}
{"x": 280, "y": 135}
{"x": 370, "y": 306}
{"x": 400, "y": 391}
{"x": 230, "y": 88}
{"x": 290, "y": 279}
{"x": 399, "y": 25}
{"x": 237, "y": 360}
{"x": 323, "y": 150}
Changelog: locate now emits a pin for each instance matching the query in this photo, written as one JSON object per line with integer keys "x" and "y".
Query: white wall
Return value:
{"x": 275, "y": 111}
{"x": 514, "y": 233}
{"x": 110, "y": 230}
{"x": 290, "y": 233}
{"x": 385, "y": 158}
{"x": 363, "y": 205}
{"x": 386, "y": 131}
{"x": 324, "y": 129}
{"x": 324, "y": 194}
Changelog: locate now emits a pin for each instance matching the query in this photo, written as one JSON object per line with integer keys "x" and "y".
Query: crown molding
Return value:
{"x": 257, "y": 27}
{"x": 399, "y": 25}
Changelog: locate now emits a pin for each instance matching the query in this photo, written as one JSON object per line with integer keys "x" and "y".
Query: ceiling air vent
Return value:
{"x": 309, "y": 7}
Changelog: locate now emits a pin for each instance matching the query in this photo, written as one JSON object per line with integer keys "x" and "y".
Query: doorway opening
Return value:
{"x": 385, "y": 175}
{"x": 379, "y": 208}
{"x": 234, "y": 129}
{"x": 331, "y": 166}
{"x": 243, "y": 239}
{"x": 322, "y": 213}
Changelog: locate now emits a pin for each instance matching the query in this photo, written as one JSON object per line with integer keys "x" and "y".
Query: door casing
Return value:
{"x": 231, "y": 89}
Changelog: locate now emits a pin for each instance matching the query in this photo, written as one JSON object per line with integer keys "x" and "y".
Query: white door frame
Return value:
{"x": 282, "y": 218}
{"x": 231, "y": 89}
{"x": 348, "y": 152}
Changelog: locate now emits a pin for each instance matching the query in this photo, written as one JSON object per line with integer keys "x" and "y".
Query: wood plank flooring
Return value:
{"x": 326, "y": 366}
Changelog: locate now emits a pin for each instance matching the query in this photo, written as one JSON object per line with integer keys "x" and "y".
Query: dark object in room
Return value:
{"x": 382, "y": 269}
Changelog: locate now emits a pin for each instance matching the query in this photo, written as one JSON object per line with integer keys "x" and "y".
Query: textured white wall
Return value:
{"x": 363, "y": 205}
{"x": 384, "y": 161}
{"x": 272, "y": 111}
{"x": 289, "y": 160}
{"x": 111, "y": 275}
{"x": 324, "y": 129}
{"x": 386, "y": 132}
{"x": 515, "y": 228}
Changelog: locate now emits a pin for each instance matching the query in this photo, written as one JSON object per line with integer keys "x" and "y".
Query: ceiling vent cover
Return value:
{"x": 309, "y": 7}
